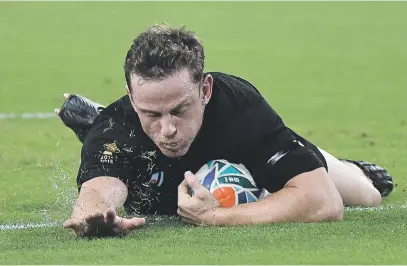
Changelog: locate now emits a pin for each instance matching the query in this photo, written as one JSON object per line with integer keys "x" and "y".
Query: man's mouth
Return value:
{"x": 170, "y": 145}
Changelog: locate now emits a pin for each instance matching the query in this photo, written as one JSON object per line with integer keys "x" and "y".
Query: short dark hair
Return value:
{"x": 161, "y": 51}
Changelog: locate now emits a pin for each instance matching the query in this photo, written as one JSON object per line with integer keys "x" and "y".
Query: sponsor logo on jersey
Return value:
{"x": 108, "y": 155}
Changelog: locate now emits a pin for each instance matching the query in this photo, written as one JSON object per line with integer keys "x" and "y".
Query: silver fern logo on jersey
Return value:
{"x": 157, "y": 178}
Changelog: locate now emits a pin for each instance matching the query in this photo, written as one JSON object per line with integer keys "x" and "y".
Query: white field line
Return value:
{"x": 380, "y": 208}
{"x": 48, "y": 225}
{"x": 26, "y": 226}
{"x": 27, "y": 116}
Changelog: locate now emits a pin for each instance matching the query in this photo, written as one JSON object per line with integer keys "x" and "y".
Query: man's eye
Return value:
{"x": 153, "y": 115}
{"x": 178, "y": 112}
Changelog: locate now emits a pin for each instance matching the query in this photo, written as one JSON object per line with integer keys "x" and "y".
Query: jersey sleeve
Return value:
{"x": 281, "y": 157}
{"x": 106, "y": 152}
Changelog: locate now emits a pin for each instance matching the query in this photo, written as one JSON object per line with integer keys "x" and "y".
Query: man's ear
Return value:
{"x": 206, "y": 91}
{"x": 131, "y": 99}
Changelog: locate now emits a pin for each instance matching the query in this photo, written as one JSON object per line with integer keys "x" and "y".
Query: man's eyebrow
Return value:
{"x": 181, "y": 104}
{"x": 148, "y": 111}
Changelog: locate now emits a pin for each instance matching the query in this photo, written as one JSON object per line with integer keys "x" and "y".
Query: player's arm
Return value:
{"x": 301, "y": 191}
{"x": 307, "y": 197}
{"x": 104, "y": 172}
{"x": 99, "y": 194}
{"x": 94, "y": 211}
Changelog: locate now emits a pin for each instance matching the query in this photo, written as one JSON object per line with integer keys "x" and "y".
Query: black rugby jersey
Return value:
{"x": 239, "y": 126}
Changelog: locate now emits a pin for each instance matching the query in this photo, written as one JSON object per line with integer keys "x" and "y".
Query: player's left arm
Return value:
{"x": 301, "y": 191}
{"x": 307, "y": 197}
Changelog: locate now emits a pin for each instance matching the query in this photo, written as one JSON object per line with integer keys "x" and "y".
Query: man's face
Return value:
{"x": 171, "y": 110}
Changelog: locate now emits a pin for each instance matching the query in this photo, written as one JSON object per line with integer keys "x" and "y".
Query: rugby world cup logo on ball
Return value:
{"x": 231, "y": 184}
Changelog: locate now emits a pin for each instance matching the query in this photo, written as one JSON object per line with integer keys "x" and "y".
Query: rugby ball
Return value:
{"x": 231, "y": 184}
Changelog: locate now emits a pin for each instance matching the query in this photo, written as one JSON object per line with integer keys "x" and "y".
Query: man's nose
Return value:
{"x": 168, "y": 127}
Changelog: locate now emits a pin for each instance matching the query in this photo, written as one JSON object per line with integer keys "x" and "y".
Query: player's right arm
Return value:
{"x": 94, "y": 211}
{"x": 102, "y": 178}
{"x": 99, "y": 194}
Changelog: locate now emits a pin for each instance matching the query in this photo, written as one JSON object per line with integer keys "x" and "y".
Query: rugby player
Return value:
{"x": 141, "y": 151}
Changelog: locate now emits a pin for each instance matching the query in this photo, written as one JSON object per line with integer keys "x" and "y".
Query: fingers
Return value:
{"x": 192, "y": 181}
{"x": 183, "y": 194}
{"x": 103, "y": 224}
{"x": 69, "y": 223}
{"x": 183, "y": 188}
{"x": 73, "y": 223}
{"x": 190, "y": 221}
{"x": 96, "y": 217}
{"x": 199, "y": 190}
{"x": 136, "y": 222}
{"x": 78, "y": 226}
{"x": 186, "y": 218}
{"x": 127, "y": 225}
{"x": 112, "y": 219}
{"x": 182, "y": 212}
{"x": 110, "y": 215}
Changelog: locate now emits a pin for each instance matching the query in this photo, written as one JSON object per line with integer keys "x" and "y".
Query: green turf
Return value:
{"x": 335, "y": 71}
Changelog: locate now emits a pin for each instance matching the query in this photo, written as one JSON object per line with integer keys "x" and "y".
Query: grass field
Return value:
{"x": 336, "y": 72}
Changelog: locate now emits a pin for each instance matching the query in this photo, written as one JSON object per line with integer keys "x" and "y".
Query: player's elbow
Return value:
{"x": 334, "y": 210}
{"x": 321, "y": 208}
{"x": 325, "y": 207}
{"x": 323, "y": 201}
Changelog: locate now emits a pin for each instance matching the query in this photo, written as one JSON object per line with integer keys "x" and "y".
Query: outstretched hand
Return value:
{"x": 106, "y": 224}
{"x": 200, "y": 208}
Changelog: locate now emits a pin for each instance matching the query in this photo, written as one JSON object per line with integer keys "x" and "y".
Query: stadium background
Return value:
{"x": 335, "y": 71}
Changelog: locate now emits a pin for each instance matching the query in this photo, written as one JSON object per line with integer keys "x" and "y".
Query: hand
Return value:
{"x": 105, "y": 224}
{"x": 200, "y": 208}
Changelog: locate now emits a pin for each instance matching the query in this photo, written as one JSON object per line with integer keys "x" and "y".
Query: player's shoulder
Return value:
{"x": 119, "y": 123}
{"x": 239, "y": 112}
{"x": 233, "y": 94}
{"x": 120, "y": 109}
{"x": 233, "y": 82}
{"x": 234, "y": 89}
